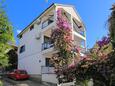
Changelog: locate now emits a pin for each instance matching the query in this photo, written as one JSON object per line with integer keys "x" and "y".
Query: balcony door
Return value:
{"x": 48, "y": 63}
{"x": 46, "y": 39}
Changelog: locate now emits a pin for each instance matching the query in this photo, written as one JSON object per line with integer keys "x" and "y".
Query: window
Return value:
{"x": 48, "y": 63}
{"x": 50, "y": 20}
{"x": 22, "y": 48}
{"x": 47, "y": 39}
{"x": 31, "y": 27}
{"x": 44, "y": 24}
{"x": 65, "y": 15}
{"x": 75, "y": 24}
{"x": 48, "y": 43}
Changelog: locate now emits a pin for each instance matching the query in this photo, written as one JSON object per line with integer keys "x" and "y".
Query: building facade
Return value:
{"x": 35, "y": 48}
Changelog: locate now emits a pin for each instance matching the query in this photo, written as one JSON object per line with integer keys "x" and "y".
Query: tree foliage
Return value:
{"x": 111, "y": 21}
{"x": 6, "y": 36}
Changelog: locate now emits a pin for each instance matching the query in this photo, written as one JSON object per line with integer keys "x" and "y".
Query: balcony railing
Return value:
{"x": 76, "y": 29}
{"x": 47, "y": 70}
{"x": 83, "y": 50}
{"x": 48, "y": 22}
{"x": 47, "y": 45}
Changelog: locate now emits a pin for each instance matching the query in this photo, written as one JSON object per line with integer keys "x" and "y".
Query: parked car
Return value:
{"x": 18, "y": 74}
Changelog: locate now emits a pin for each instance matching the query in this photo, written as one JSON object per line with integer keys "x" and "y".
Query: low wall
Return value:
{"x": 90, "y": 83}
{"x": 49, "y": 78}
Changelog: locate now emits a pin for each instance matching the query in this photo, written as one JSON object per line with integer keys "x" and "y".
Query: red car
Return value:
{"x": 18, "y": 75}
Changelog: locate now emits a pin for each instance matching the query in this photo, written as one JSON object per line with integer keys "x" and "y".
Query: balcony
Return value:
{"x": 47, "y": 22}
{"x": 47, "y": 45}
{"x": 48, "y": 49}
{"x": 78, "y": 29}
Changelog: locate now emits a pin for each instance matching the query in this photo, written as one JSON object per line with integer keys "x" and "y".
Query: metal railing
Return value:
{"x": 47, "y": 70}
{"x": 47, "y": 45}
{"x": 83, "y": 50}
{"x": 76, "y": 29}
{"x": 48, "y": 22}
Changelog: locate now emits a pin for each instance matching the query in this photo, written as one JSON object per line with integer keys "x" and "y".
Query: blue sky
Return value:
{"x": 94, "y": 14}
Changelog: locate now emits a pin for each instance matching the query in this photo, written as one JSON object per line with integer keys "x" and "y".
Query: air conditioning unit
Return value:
{"x": 38, "y": 36}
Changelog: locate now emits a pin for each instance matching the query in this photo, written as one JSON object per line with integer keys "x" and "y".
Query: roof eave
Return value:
{"x": 51, "y": 6}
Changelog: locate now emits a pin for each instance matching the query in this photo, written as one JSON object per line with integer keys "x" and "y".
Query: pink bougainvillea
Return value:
{"x": 105, "y": 40}
{"x": 68, "y": 57}
{"x": 62, "y": 37}
{"x": 63, "y": 32}
{"x": 62, "y": 22}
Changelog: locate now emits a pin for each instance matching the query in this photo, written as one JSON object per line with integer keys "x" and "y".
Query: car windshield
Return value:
{"x": 22, "y": 72}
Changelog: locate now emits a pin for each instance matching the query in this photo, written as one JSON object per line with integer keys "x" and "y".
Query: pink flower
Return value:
{"x": 62, "y": 23}
{"x": 59, "y": 11}
{"x": 78, "y": 49}
{"x": 73, "y": 64}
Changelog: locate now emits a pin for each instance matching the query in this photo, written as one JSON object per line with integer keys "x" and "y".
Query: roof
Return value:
{"x": 51, "y": 6}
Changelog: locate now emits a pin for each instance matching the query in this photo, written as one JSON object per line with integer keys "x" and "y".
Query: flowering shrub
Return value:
{"x": 98, "y": 65}
{"x": 101, "y": 69}
{"x": 105, "y": 40}
{"x": 62, "y": 37}
{"x": 86, "y": 67}
{"x": 101, "y": 49}
{"x": 63, "y": 32}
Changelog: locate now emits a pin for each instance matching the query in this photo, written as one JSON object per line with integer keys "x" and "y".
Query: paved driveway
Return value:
{"x": 10, "y": 82}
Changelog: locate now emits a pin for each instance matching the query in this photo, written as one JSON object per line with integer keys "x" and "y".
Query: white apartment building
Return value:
{"x": 35, "y": 48}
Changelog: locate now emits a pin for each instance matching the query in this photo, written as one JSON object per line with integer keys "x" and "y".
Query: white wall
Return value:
{"x": 32, "y": 64}
{"x": 30, "y": 59}
{"x": 49, "y": 78}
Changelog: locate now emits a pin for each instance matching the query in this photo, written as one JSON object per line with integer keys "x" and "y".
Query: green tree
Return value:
{"x": 6, "y": 36}
{"x": 111, "y": 21}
